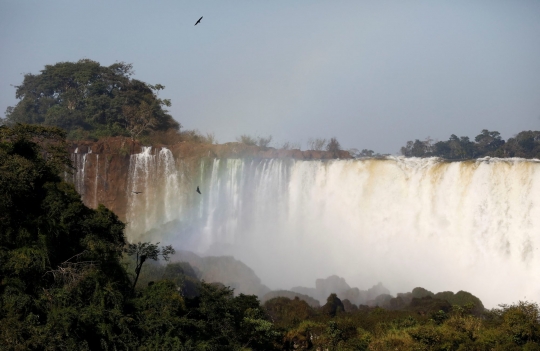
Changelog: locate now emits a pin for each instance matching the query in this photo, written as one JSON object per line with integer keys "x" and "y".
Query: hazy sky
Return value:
{"x": 372, "y": 73}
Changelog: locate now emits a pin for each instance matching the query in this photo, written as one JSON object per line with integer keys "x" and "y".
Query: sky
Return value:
{"x": 372, "y": 73}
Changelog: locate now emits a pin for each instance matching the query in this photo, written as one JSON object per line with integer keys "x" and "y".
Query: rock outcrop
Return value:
{"x": 225, "y": 270}
{"x": 337, "y": 285}
{"x": 102, "y": 167}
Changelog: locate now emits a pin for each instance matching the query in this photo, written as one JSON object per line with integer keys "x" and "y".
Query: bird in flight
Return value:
{"x": 199, "y": 21}
{"x": 198, "y": 189}
{"x": 136, "y": 192}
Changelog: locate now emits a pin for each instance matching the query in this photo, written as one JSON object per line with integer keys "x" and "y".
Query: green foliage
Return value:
{"x": 333, "y": 145}
{"x": 91, "y": 101}
{"x": 333, "y": 305}
{"x": 488, "y": 143}
{"x": 225, "y": 322}
{"x": 145, "y": 251}
{"x": 287, "y": 313}
{"x": 421, "y": 292}
{"x": 525, "y": 144}
{"x": 464, "y": 299}
{"x": 184, "y": 276}
{"x": 522, "y": 322}
{"x": 303, "y": 335}
{"x": 366, "y": 153}
{"x": 159, "y": 316}
{"x": 61, "y": 283}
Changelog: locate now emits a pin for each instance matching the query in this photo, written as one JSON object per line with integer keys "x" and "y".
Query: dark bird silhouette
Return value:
{"x": 198, "y": 189}
{"x": 136, "y": 192}
{"x": 199, "y": 21}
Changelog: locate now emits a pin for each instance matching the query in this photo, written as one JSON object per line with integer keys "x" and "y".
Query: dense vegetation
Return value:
{"x": 525, "y": 144}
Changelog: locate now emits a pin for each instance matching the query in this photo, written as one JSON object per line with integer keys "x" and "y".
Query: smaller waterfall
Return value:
{"x": 78, "y": 177}
{"x": 96, "y": 202}
{"x": 152, "y": 173}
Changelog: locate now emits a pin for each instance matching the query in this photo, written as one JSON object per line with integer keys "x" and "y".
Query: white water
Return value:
{"x": 471, "y": 226}
{"x": 154, "y": 174}
{"x": 96, "y": 182}
{"x": 79, "y": 177}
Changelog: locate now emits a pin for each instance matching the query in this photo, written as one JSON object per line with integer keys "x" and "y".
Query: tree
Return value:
{"x": 160, "y": 309}
{"x": 418, "y": 148}
{"x": 145, "y": 251}
{"x": 264, "y": 142}
{"x": 316, "y": 144}
{"x": 333, "y": 305}
{"x": 333, "y": 146}
{"x": 138, "y": 119}
{"x": 90, "y": 101}
{"x": 522, "y": 322}
{"x": 287, "y": 145}
{"x": 246, "y": 139}
{"x": 287, "y": 312}
{"x": 184, "y": 276}
{"x": 366, "y": 153}
{"x": 524, "y": 144}
{"x": 488, "y": 142}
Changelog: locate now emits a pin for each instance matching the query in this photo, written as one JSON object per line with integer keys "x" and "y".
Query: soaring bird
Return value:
{"x": 197, "y": 185}
{"x": 199, "y": 21}
{"x": 136, "y": 192}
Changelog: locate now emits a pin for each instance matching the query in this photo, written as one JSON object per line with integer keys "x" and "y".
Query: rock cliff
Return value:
{"x": 102, "y": 168}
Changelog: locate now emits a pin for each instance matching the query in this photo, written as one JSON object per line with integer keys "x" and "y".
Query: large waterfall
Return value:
{"x": 405, "y": 222}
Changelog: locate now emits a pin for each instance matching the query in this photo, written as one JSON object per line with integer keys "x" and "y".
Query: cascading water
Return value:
{"x": 154, "y": 175}
{"x": 406, "y": 222}
{"x": 78, "y": 176}
{"x": 96, "y": 182}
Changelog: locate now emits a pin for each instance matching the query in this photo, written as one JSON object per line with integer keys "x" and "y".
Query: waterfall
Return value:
{"x": 406, "y": 222}
{"x": 78, "y": 177}
{"x": 152, "y": 173}
{"x": 96, "y": 201}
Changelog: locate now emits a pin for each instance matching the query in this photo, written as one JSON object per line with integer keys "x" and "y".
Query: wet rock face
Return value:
{"x": 101, "y": 173}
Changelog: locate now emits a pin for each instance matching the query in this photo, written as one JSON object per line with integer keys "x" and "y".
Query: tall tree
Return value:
{"x": 488, "y": 142}
{"x": 89, "y": 101}
{"x": 145, "y": 251}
